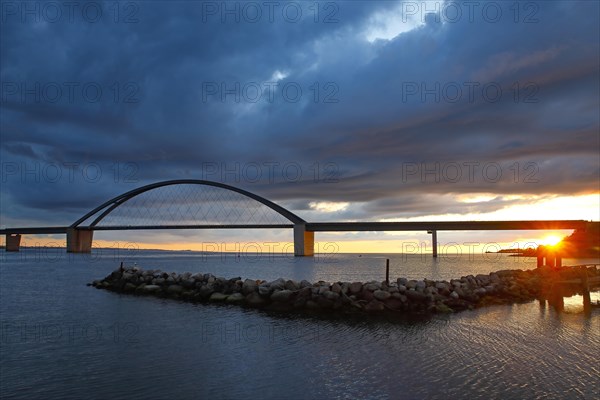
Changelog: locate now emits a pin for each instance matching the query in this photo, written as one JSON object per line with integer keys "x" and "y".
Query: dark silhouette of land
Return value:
{"x": 582, "y": 243}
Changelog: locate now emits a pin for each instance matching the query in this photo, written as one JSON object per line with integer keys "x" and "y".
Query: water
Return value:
{"x": 63, "y": 339}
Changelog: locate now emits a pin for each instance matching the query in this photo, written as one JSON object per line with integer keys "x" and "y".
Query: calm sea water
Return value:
{"x": 63, "y": 339}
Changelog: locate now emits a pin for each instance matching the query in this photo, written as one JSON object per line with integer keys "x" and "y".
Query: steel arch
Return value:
{"x": 119, "y": 200}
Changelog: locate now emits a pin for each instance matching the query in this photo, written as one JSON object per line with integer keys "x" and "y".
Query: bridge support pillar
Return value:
{"x": 13, "y": 242}
{"x": 79, "y": 241}
{"x": 434, "y": 242}
{"x": 304, "y": 241}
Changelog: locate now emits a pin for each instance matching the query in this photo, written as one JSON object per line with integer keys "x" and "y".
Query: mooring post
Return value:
{"x": 434, "y": 243}
{"x": 541, "y": 254}
{"x": 587, "y": 300}
{"x": 387, "y": 271}
{"x": 584, "y": 278}
{"x": 540, "y": 260}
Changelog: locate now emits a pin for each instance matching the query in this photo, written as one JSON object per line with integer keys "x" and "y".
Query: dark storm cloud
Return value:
{"x": 153, "y": 117}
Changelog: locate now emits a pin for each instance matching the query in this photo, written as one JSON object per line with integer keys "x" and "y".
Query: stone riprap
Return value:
{"x": 402, "y": 295}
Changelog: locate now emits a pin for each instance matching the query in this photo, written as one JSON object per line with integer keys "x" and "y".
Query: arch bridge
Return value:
{"x": 202, "y": 204}
{"x": 176, "y": 204}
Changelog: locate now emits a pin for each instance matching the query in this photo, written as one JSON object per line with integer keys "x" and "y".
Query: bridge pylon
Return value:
{"x": 13, "y": 242}
{"x": 79, "y": 240}
{"x": 304, "y": 241}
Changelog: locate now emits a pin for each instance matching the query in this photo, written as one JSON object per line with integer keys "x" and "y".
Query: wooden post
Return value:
{"x": 584, "y": 278}
{"x": 587, "y": 301}
{"x": 541, "y": 255}
{"x": 433, "y": 234}
{"x": 387, "y": 271}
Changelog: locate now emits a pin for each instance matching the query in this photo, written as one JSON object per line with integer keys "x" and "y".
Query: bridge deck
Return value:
{"x": 336, "y": 226}
{"x": 34, "y": 231}
{"x": 444, "y": 225}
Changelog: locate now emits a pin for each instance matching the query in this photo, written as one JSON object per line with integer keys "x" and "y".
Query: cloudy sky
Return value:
{"x": 336, "y": 110}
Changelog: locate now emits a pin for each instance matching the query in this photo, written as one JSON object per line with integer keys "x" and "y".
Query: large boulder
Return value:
{"x": 255, "y": 300}
{"x": 355, "y": 287}
{"x": 374, "y": 306}
{"x": 129, "y": 287}
{"x": 323, "y": 302}
{"x": 205, "y": 291}
{"x": 304, "y": 293}
{"x": 323, "y": 289}
{"x": 292, "y": 285}
{"x": 394, "y": 303}
{"x": 305, "y": 283}
{"x": 148, "y": 289}
{"x": 249, "y": 286}
{"x": 329, "y": 295}
{"x": 366, "y": 294}
{"x": 218, "y": 297}
{"x": 264, "y": 290}
{"x": 235, "y": 298}
{"x": 415, "y": 296}
{"x": 281, "y": 296}
{"x": 278, "y": 284}
{"x": 188, "y": 283}
{"x": 174, "y": 289}
{"x": 336, "y": 288}
{"x": 381, "y": 295}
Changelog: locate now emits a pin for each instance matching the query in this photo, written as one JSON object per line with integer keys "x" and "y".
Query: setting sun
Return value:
{"x": 551, "y": 240}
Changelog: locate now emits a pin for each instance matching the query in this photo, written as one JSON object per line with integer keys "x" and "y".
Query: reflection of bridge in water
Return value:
{"x": 200, "y": 204}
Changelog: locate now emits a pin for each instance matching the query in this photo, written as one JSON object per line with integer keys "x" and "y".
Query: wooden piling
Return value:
{"x": 387, "y": 271}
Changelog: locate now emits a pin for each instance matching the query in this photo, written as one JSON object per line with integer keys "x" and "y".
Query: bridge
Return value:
{"x": 201, "y": 204}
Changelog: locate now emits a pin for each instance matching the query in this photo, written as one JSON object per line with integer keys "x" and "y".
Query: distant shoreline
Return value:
{"x": 509, "y": 252}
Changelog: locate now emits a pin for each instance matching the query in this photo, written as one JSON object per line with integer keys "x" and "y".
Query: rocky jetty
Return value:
{"x": 401, "y": 296}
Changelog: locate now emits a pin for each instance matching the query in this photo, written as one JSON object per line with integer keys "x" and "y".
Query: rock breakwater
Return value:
{"x": 402, "y": 295}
